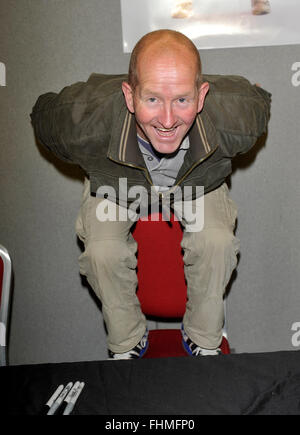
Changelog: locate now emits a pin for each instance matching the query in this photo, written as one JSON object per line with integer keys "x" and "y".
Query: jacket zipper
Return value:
{"x": 134, "y": 166}
{"x": 161, "y": 194}
{"x": 194, "y": 165}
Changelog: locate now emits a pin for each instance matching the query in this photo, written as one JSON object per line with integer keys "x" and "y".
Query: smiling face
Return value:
{"x": 166, "y": 99}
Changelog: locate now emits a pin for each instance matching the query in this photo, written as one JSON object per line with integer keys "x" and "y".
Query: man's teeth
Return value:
{"x": 166, "y": 131}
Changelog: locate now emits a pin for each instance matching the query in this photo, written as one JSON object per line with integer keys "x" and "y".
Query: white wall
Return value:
{"x": 47, "y": 45}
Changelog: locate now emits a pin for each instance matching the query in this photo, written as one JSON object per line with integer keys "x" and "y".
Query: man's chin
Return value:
{"x": 164, "y": 148}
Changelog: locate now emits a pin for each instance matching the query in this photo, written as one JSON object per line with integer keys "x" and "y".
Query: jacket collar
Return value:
{"x": 124, "y": 149}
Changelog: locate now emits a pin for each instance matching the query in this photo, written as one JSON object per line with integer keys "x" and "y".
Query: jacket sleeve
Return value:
{"x": 50, "y": 117}
{"x": 72, "y": 123}
{"x": 239, "y": 111}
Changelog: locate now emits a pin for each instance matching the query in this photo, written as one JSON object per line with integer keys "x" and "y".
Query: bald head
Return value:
{"x": 164, "y": 91}
{"x": 163, "y": 43}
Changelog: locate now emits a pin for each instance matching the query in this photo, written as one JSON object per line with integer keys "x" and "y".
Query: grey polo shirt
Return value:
{"x": 164, "y": 170}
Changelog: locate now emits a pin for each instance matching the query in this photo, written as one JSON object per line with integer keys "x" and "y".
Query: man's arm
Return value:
{"x": 76, "y": 123}
{"x": 239, "y": 111}
{"x": 53, "y": 123}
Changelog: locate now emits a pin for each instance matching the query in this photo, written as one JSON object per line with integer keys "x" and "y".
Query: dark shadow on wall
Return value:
{"x": 241, "y": 163}
{"x": 244, "y": 161}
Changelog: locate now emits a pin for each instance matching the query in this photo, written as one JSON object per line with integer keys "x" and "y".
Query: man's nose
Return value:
{"x": 167, "y": 117}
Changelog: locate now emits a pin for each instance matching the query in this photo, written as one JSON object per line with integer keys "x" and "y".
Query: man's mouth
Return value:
{"x": 166, "y": 132}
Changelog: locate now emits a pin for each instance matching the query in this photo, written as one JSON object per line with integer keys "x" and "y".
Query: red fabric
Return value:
{"x": 1, "y": 277}
{"x": 161, "y": 283}
{"x": 168, "y": 343}
{"x": 162, "y": 286}
{"x": 165, "y": 343}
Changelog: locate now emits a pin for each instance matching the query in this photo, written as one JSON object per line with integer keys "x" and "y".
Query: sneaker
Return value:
{"x": 183, "y": 10}
{"x": 194, "y": 350}
{"x": 260, "y": 7}
{"x": 135, "y": 353}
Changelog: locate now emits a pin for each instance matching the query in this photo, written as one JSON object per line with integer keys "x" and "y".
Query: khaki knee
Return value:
{"x": 110, "y": 254}
{"x": 218, "y": 240}
{"x": 209, "y": 242}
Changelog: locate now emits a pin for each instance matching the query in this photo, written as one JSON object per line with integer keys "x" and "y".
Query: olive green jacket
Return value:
{"x": 88, "y": 124}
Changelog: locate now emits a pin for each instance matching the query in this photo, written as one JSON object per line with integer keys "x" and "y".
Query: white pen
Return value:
{"x": 73, "y": 399}
{"x": 56, "y": 404}
{"x": 68, "y": 397}
{"x": 52, "y": 398}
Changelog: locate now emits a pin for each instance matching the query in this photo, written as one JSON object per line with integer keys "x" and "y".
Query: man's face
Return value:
{"x": 166, "y": 100}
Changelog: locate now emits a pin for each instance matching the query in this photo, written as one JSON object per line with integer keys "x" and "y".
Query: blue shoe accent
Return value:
{"x": 185, "y": 340}
{"x": 194, "y": 350}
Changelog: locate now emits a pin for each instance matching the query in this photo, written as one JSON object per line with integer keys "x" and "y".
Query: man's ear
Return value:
{"x": 128, "y": 94}
{"x": 204, "y": 88}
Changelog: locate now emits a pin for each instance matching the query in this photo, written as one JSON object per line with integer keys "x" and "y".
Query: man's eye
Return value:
{"x": 152, "y": 99}
{"x": 182, "y": 100}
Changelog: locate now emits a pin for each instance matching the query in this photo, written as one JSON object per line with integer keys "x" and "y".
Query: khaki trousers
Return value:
{"x": 109, "y": 263}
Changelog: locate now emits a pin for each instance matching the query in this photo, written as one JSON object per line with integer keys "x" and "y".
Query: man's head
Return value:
{"x": 165, "y": 90}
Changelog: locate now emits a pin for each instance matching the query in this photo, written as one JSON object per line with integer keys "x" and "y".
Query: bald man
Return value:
{"x": 162, "y": 129}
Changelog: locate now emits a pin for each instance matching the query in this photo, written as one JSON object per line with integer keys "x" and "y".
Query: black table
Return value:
{"x": 261, "y": 383}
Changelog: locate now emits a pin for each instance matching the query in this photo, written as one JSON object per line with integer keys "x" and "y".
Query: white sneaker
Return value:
{"x": 194, "y": 350}
{"x": 135, "y": 353}
{"x": 183, "y": 10}
{"x": 260, "y": 7}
